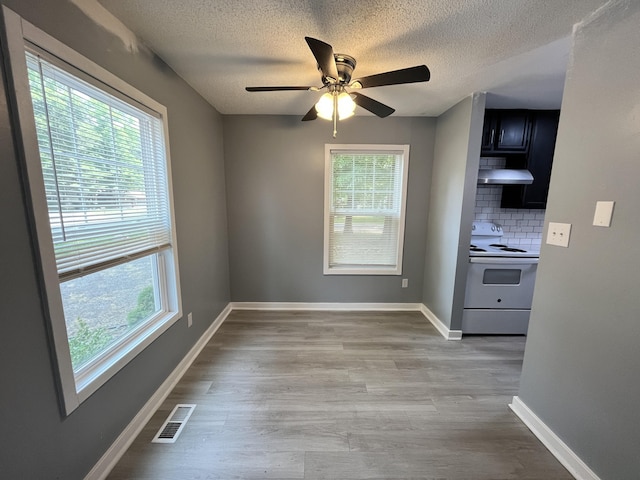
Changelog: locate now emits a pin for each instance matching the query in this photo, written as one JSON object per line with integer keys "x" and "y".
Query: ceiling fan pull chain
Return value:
{"x": 335, "y": 114}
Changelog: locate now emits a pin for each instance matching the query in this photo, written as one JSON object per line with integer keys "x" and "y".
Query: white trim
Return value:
{"x": 43, "y": 239}
{"x": 129, "y": 434}
{"x": 552, "y": 442}
{"x": 43, "y": 40}
{"x": 354, "y": 307}
{"x": 439, "y": 324}
{"x": 39, "y": 216}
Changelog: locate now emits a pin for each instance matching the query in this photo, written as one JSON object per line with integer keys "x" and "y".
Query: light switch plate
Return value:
{"x": 558, "y": 234}
{"x": 604, "y": 212}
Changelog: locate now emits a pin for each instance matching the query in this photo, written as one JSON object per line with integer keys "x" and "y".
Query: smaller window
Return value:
{"x": 365, "y": 198}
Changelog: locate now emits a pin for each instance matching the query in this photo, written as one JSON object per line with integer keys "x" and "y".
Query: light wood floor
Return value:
{"x": 319, "y": 395}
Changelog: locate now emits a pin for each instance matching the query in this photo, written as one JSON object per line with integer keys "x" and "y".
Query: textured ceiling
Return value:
{"x": 516, "y": 50}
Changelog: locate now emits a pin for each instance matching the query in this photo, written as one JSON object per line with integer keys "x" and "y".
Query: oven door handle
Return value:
{"x": 504, "y": 260}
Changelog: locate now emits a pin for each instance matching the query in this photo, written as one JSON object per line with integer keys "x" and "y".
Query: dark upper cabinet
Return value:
{"x": 506, "y": 131}
{"x": 538, "y": 161}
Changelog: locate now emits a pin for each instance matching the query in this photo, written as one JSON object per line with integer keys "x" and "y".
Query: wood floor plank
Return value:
{"x": 345, "y": 395}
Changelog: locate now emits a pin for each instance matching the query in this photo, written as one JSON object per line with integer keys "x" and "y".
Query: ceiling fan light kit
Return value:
{"x": 346, "y": 106}
{"x": 325, "y": 106}
{"x": 336, "y": 70}
{"x": 334, "y": 106}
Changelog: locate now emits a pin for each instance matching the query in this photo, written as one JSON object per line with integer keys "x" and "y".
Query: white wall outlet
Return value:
{"x": 604, "y": 212}
{"x": 190, "y": 319}
{"x": 558, "y": 234}
{"x": 405, "y": 282}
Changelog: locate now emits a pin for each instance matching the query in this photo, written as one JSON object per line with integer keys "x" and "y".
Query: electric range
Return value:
{"x": 500, "y": 283}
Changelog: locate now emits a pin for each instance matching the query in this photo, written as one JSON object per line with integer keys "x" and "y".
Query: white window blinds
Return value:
{"x": 103, "y": 163}
{"x": 366, "y": 209}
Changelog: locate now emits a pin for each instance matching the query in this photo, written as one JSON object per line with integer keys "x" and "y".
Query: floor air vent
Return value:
{"x": 171, "y": 429}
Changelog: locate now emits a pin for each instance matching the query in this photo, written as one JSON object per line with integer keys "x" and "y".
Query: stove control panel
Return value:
{"x": 486, "y": 229}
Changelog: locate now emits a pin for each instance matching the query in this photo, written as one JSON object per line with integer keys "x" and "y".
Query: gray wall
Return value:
{"x": 453, "y": 188}
{"x": 275, "y": 198}
{"x": 580, "y": 373}
{"x": 38, "y": 441}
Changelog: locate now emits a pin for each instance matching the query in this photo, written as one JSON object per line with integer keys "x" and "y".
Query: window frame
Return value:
{"x": 384, "y": 149}
{"x": 75, "y": 388}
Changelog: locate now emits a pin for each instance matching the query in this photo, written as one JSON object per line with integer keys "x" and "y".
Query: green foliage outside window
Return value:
{"x": 364, "y": 182}
{"x": 87, "y": 342}
{"x": 144, "y": 309}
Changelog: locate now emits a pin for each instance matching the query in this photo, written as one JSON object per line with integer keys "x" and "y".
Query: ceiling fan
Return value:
{"x": 338, "y": 102}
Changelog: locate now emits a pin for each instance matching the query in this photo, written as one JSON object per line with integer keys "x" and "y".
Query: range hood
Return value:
{"x": 504, "y": 176}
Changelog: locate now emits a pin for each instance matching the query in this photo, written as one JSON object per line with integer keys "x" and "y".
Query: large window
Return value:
{"x": 99, "y": 177}
{"x": 365, "y": 196}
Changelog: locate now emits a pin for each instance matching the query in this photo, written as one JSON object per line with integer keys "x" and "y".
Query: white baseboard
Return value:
{"x": 124, "y": 440}
{"x": 353, "y": 307}
{"x": 554, "y": 444}
{"x": 440, "y": 326}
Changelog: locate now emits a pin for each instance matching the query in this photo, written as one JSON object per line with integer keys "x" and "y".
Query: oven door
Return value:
{"x": 500, "y": 282}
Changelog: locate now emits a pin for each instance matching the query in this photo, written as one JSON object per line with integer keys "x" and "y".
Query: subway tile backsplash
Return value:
{"x": 520, "y": 226}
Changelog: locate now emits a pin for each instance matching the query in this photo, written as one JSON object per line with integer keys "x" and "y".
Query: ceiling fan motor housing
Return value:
{"x": 345, "y": 64}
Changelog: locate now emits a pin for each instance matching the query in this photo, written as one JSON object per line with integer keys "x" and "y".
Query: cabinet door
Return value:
{"x": 513, "y": 131}
{"x": 488, "y": 132}
{"x": 538, "y": 162}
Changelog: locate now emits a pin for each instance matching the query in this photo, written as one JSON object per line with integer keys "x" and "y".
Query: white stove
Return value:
{"x": 486, "y": 241}
{"x": 500, "y": 282}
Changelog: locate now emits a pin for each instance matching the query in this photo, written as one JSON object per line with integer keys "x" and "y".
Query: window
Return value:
{"x": 99, "y": 176}
{"x": 365, "y": 197}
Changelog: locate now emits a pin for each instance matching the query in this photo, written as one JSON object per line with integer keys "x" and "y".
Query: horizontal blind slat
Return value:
{"x": 365, "y": 204}
{"x": 104, "y": 170}
{"x": 111, "y": 262}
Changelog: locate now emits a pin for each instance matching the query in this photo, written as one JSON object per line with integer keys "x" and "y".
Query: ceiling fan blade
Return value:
{"x": 374, "y": 106}
{"x": 275, "y": 89}
{"x": 324, "y": 56}
{"x": 396, "y": 77}
{"x": 311, "y": 115}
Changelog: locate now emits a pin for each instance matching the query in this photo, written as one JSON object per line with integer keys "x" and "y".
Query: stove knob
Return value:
{"x": 499, "y": 300}
{"x": 493, "y": 228}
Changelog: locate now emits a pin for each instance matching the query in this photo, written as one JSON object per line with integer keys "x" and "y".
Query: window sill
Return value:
{"x": 361, "y": 271}
{"x": 88, "y": 382}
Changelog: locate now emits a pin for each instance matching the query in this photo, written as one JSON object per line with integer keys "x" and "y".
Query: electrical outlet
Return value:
{"x": 405, "y": 282}
{"x": 558, "y": 234}
{"x": 190, "y": 319}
